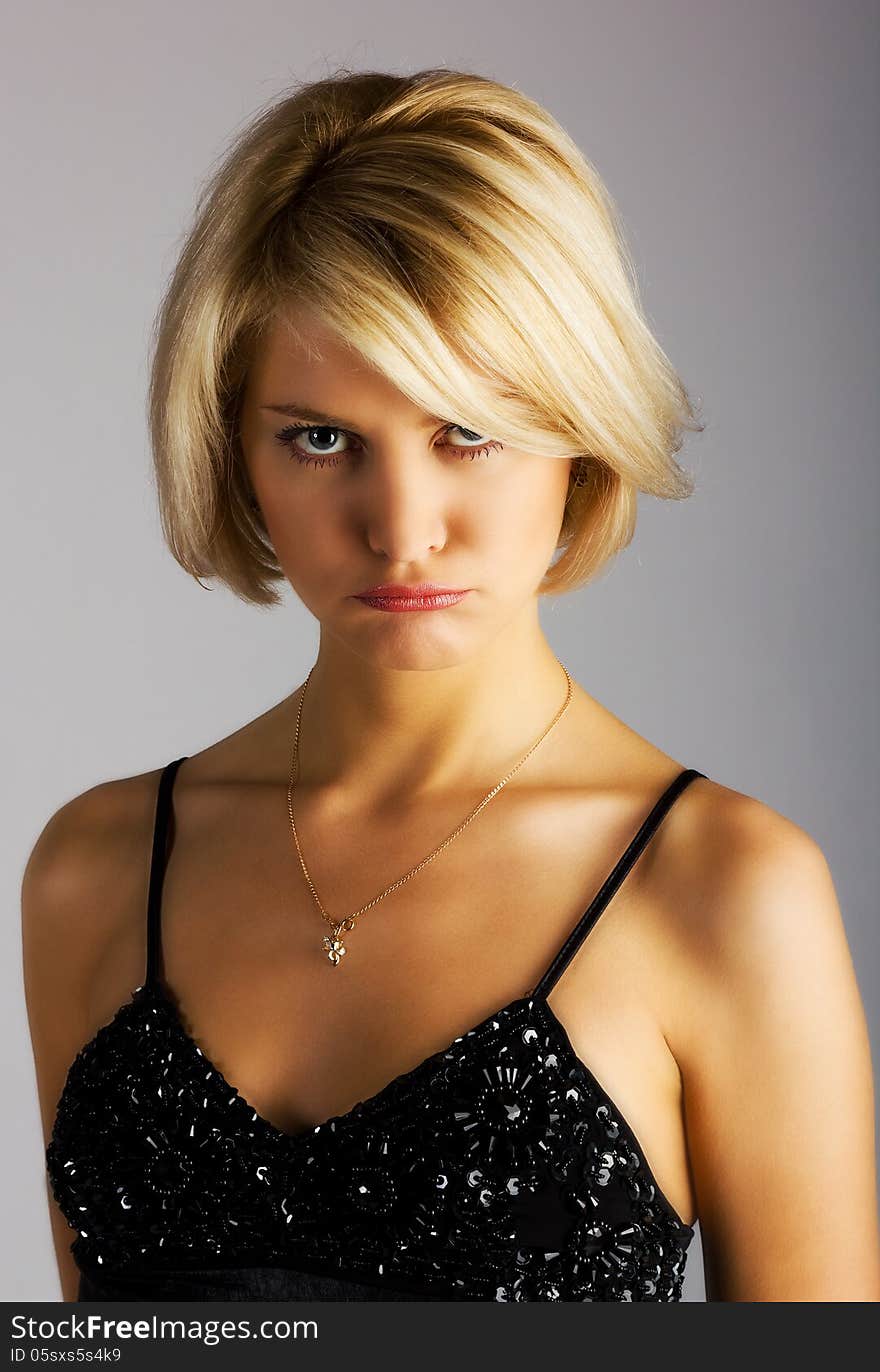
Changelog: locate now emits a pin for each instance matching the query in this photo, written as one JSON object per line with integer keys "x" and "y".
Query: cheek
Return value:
{"x": 521, "y": 520}
{"x": 306, "y": 535}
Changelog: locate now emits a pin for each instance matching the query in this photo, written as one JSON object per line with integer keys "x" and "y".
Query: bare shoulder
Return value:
{"x": 88, "y": 854}
{"x": 80, "y": 888}
{"x": 768, "y": 1028}
{"x": 748, "y": 901}
{"x": 739, "y": 880}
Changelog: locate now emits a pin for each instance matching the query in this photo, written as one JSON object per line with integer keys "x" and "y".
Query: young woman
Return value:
{"x": 327, "y": 1009}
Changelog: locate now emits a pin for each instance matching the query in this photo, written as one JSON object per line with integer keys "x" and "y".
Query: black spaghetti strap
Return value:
{"x": 157, "y": 870}
{"x": 612, "y": 882}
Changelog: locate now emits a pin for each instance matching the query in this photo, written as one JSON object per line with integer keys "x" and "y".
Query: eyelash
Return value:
{"x": 287, "y": 438}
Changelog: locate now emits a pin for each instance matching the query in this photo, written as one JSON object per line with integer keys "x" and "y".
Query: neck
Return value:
{"x": 392, "y": 737}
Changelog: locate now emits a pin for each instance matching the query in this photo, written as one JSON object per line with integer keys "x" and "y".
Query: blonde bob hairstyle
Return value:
{"x": 448, "y": 228}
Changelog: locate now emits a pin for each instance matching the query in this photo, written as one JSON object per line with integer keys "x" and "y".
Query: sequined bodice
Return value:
{"x": 497, "y": 1169}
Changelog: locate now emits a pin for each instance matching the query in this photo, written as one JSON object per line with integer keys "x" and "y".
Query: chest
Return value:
{"x": 471, "y": 929}
{"x": 303, "y": 1040}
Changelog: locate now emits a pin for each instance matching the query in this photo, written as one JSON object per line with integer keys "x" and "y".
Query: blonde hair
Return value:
{"x": 447, "y": 227}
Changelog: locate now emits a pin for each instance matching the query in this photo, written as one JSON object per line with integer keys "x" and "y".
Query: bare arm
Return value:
{"x": 82, "y": 943}
{"x": 49, "y": 899}
{"x": 777, "y": 1073}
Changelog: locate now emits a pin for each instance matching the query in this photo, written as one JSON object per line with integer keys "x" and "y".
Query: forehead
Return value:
{"x": 301, "y": 361}
{"x": 299, "y": 339}
{"x": 301, "y": 358}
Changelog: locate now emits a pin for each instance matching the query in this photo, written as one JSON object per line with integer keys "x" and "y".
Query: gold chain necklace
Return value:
{"x": 333, "y": 943}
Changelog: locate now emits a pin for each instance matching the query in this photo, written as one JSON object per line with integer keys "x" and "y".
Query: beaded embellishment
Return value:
{"x": 497, "y": 1169}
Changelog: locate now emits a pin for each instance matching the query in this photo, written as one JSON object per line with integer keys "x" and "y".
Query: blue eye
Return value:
{"x": 289, "y": 437}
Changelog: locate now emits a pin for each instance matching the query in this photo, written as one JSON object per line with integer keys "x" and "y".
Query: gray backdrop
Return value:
{"x": 739, "y": 630}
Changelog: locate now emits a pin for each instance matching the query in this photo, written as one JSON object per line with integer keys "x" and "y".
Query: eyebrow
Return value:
{"x": 294, "y": 410}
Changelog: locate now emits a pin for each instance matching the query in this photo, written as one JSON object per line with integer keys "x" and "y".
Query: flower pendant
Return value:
{"x": 332, "y": 943}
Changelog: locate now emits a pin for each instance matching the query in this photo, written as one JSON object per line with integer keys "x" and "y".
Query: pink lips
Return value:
{"x": 396, "y": 598}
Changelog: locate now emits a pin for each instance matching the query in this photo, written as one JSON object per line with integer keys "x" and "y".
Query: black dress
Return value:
{"x": 498, "y": 1169}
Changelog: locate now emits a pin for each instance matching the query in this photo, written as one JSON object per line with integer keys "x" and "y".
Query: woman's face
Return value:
{"x": 372, "y": 491}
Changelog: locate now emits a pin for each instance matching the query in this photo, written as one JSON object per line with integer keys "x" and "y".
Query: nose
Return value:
{"x": 403, "y": 508}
